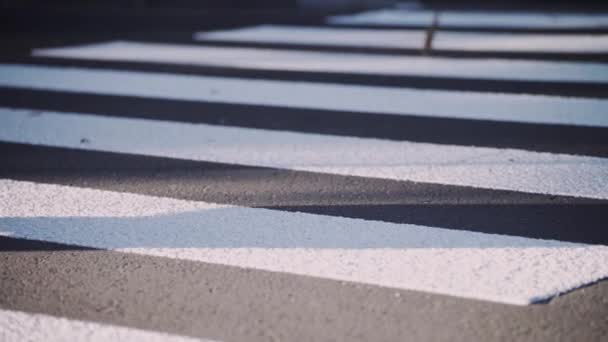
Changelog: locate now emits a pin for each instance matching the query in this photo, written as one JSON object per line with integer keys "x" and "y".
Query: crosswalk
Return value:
{"x": 493, "y": 188}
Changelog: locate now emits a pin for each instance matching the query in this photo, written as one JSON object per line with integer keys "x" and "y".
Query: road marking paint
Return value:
{"x": 384, "y": 17}
{"x": 522, "y": 20}
{"x": 491, "y": 168}
{"x": 408, "y": 39}
{"x": 364, "y": 38}
{"x": 504, "y": 42}
{"x": 273, "y": 59}
{"x": 16, "y": 326}
{"x": 454, "y": 19}
{"x": 354, "y": 98}
{"x": 474, "y": 265}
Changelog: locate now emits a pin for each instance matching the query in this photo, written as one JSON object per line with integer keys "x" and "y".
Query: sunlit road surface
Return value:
{"x": 364, "y": 179}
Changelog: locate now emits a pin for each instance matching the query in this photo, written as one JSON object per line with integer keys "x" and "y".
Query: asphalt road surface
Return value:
{"x": 381, "y": 176}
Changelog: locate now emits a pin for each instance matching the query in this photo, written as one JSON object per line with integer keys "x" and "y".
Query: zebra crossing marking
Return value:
{"x": 384, "y": 17}
{"x": 490, "y": 168}
{"x": 504, "y": 269}
{"x": 476, "y": 41}
{"x": 438, "y": 205}
{"x": 521, "y": 20}
{"x": 499, "y": 268}
{"x": 275, "y": 59}
{"x": 18, "y": 326}
{"x": 354, "y": 98}
{"x": 408, "y": 39}
{"x": 485, "y": 19}
{"x": 459, "y": 41}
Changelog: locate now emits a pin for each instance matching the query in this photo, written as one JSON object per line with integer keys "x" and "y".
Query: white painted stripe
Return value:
{"x": 17, "y": 326}
{"x": 505, "y": 42}
{"x": 318, "y": 36}
{"x": 522, "y": 20}
{"x": 490, "y": 168}
{"x": 385, "y": 17}
{"x": 354, "y": 98}
{"x": 474, "y": 265}
{"x": 397, "y": 17}
{"x": 271, "y": 59}
{"x": 461, "y": 41}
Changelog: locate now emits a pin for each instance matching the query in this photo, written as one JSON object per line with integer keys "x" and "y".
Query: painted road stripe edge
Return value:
{"x": 490, "y": 168}
{"x": 409, "y": 39}
{"x": 363, "y": 99}
{"x": 18, "y": 326}
{"x": 307, "y": 61}
{"x": 502, "y": 42}
{"x": 454, "y": 19}
{"x": 575, "y": 140}
{"x": 453, "y": 207}
{"x": 498, "y": 268}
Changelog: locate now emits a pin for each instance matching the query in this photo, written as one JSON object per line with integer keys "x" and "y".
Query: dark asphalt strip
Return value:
{"x": 446, "y": 206}
{"x": 9, "y": 244}
{"x": 575, "y": 89}
{"x": 234, "y": 304}
{"x": 551, "y": 56}
{"x": 578, "y": 140}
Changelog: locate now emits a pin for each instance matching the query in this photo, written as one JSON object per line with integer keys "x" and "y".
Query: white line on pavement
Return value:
{"x": 529, "y": 20}
{"x": 282, "y": 60}
{"x": 474, "y": 265}
{"x": 505, "y": 42}
{"x": 385, "y": 17}
{"x": 354, "y": 98}
{"x": 402, "y": 39}
{"x": 482, "y": 167}
{"x": 17, "y": 326}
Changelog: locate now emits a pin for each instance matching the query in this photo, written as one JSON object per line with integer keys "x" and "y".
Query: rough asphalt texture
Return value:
{"x": 233, "y": 304}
